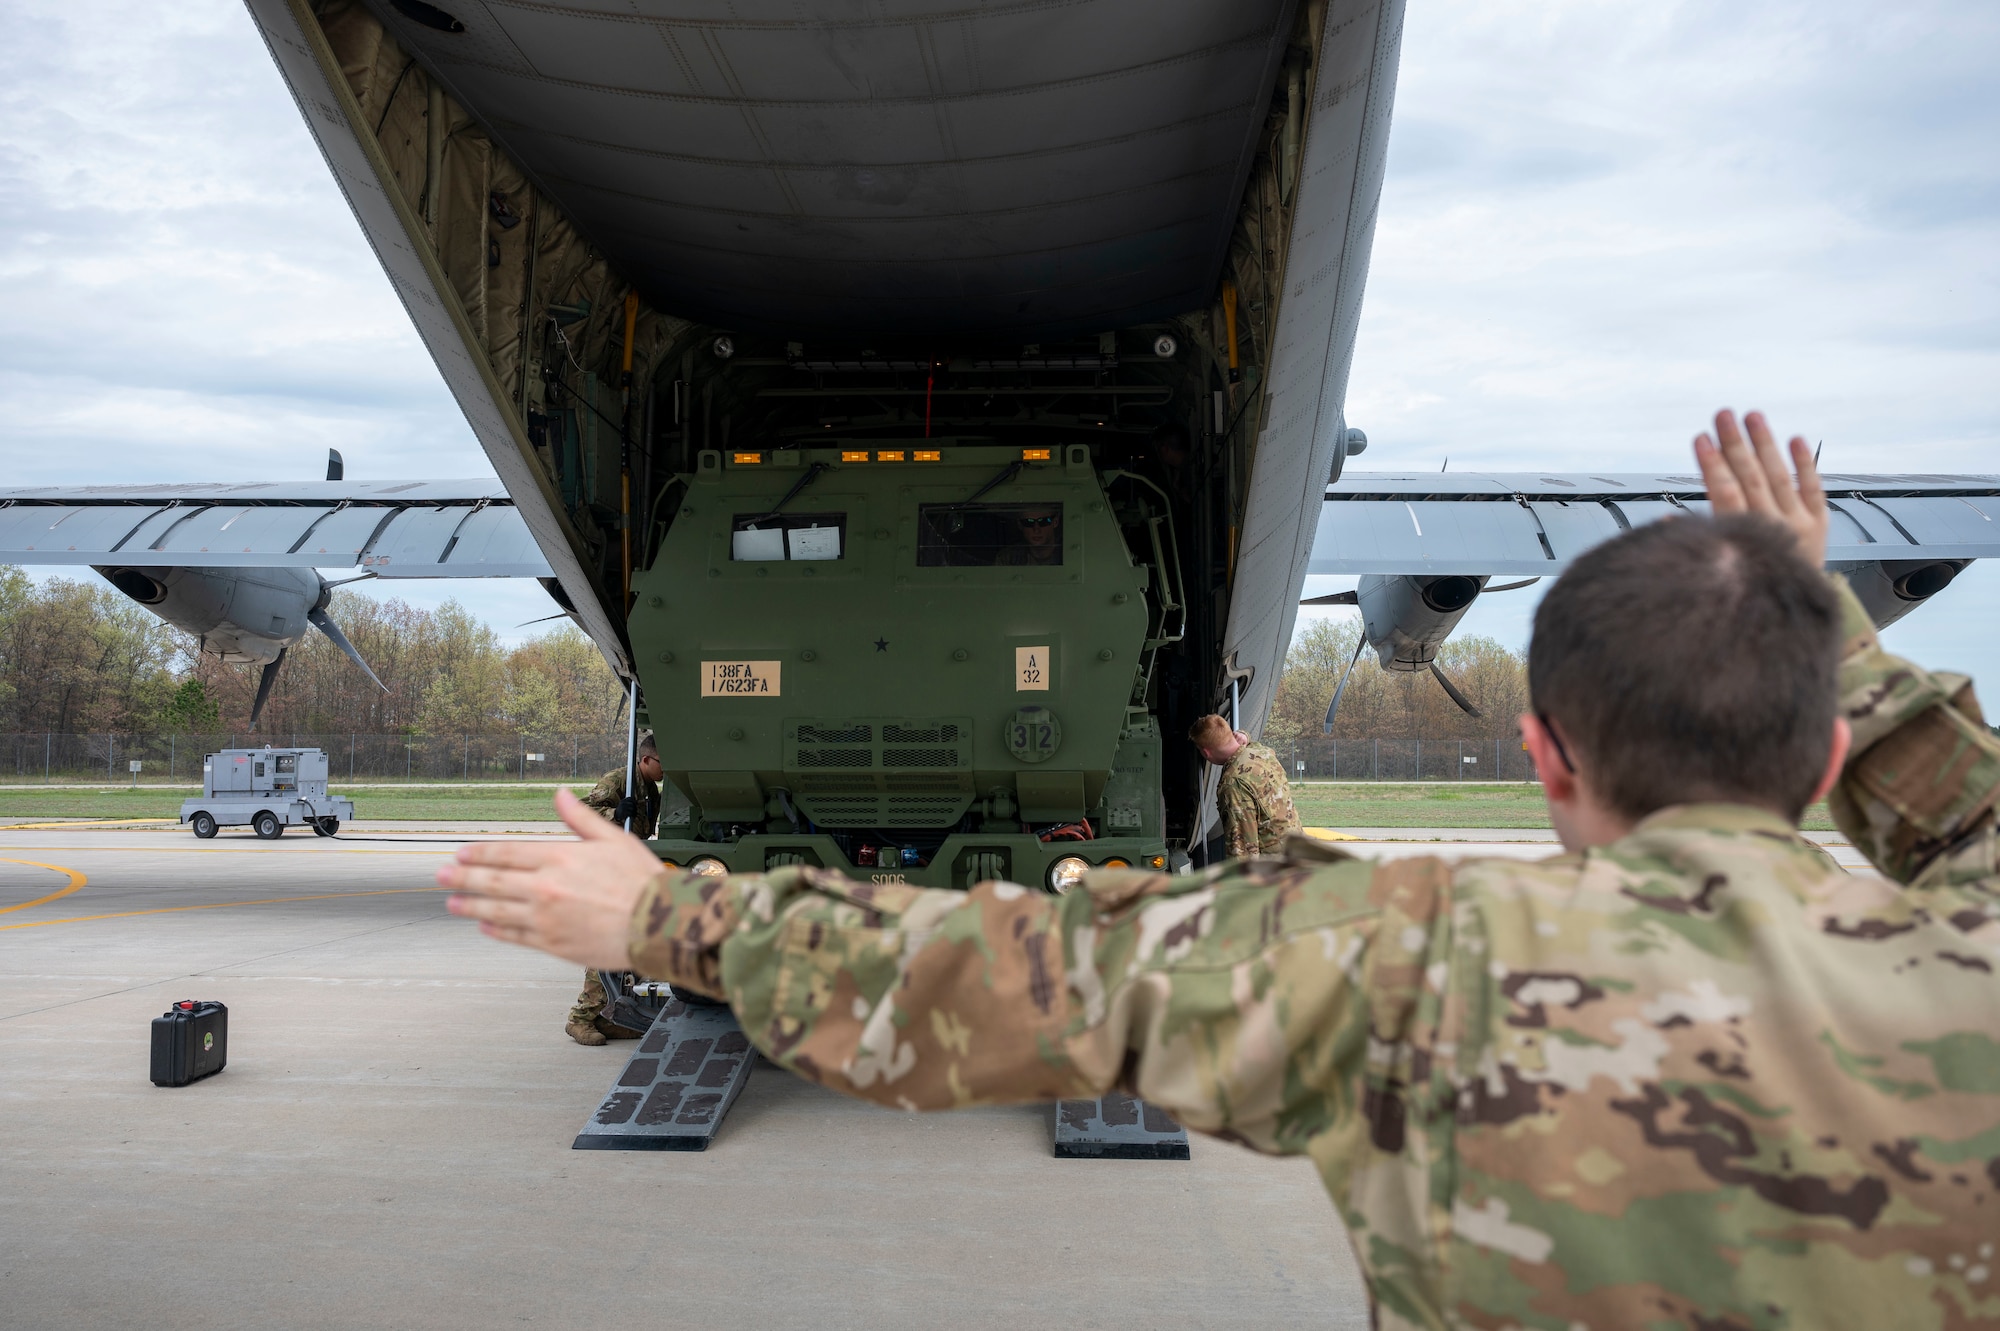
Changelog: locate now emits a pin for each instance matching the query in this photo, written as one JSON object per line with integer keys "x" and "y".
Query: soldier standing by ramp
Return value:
{"x": 587, "y": 1024}
{"x": 1253, "y": 796}
{"x": 1689, "y": 1073}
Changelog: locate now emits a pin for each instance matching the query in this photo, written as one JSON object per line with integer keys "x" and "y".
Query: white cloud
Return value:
{"x": 1602, "y": 220}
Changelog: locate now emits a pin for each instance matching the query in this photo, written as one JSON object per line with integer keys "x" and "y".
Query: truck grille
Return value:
{"x": 868, "y": 772}
{"x": 835, "y": 758}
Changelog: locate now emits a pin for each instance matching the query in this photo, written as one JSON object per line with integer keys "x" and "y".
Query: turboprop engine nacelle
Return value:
{"x": 1407, "y": 618}
{"x": 1892, "y": 588}
{"x": 247, "y": 616}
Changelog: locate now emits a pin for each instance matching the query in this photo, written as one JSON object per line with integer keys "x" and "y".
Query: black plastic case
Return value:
{"x": 190, "y": 1042}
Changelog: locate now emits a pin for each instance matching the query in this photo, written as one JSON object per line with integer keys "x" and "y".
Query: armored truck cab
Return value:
{"x": 924, "y": 662}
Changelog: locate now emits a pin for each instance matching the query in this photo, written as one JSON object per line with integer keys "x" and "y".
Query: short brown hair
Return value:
{"x": 1210, "y": 732}
{"x": 1692, "y": 660}
{"x": 647, "y": 748}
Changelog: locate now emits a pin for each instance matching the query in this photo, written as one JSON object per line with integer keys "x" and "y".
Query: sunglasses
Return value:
{"x": 1036, "y": 522}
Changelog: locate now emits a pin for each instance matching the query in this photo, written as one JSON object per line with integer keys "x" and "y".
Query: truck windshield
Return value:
{"x": 988, "y": 535}
{"x": 761, "y": 536}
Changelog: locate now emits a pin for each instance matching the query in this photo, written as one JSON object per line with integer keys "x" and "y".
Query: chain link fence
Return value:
{"x": 101, "y": 759}
{"x": 1326, "y": 759}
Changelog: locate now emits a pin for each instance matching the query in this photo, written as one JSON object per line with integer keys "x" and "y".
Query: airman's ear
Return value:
{"x": 1836, "y": 758}
{"x": 1558, "y": 781}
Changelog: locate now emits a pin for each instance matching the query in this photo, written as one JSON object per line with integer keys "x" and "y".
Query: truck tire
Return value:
{"x": 204, "y": 824}
{"x": 267, "y": 825}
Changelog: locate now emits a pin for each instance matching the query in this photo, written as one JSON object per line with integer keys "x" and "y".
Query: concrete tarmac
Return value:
{"x": 390, "y": 1143}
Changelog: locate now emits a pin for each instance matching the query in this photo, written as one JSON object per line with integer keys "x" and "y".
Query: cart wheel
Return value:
{"x": 204, "y": 825}
{"x": 267, "y": 825}
{"x": 313, "y": 823}
{"x": 325, "y": 826}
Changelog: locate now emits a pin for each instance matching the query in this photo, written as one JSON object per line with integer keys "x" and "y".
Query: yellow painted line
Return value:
{"x": 1327, "y": 834}
{"x": 444, "y": 848}
{"x": 76, "y": 880}
{"x": 77, "y": 822}
{"x": 215, "y": 905}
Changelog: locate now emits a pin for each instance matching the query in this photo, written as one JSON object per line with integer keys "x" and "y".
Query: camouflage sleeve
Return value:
{"x": 1238, "y": 1000}
{"x": 1238, "y": 807}
{"x": 1917, "y": 794}
{"x": 605, "y": 795}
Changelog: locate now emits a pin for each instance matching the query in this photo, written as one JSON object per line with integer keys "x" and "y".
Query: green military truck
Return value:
{"x": 925, "y": 661}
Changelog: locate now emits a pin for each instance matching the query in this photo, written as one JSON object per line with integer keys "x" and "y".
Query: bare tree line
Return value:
{"x": 77, "y": 657}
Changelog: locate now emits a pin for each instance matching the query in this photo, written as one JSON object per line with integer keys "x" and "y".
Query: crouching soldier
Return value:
{"x": 587, "y": 1023}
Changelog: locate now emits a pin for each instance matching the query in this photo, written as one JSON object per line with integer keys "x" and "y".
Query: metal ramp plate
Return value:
{"x": 678, "y": 1084}
{"x": 1117, "y": 1127}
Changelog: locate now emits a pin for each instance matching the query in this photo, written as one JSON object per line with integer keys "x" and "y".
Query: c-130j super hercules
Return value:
{"x": 931, "y": 414}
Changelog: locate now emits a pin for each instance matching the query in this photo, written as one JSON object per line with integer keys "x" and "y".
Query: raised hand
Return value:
{"x": 573, "y": 899}
{"x": 1751, "y": 477}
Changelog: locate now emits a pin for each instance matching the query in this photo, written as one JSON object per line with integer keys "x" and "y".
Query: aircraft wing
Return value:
{"x": 393, "y": 529}
{"x": 1508, "y": 523}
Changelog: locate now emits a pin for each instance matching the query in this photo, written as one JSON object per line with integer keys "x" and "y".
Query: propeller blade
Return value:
{"x": 1514, "y": 586}
{"x": 1359, "y": 643}
{"x": 1464, "y": 704}
{"x": 264, "y": 684}
{"x": 324, "y": 623}
{"x": 1333, "y": 598}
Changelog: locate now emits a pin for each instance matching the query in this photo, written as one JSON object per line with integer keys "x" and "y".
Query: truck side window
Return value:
{"x": 761, "y": 536}
{"x": 989, "y": 535}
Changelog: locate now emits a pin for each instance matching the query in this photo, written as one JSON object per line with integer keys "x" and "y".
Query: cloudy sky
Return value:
{"x": 1602, "y": 220}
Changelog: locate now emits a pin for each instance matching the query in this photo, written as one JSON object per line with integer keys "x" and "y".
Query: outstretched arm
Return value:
{"x": 1253, "y": 1000}
{"x": 1917, "y": 796}
{"x": 1917, "y": 793}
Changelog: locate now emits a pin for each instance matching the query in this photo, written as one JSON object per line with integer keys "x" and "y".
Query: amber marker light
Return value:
{"x": 889, "y": 455}
{"x": 929, "y": 455}
{"x": 1034, "y": 455}
{"x": 746, "y": 459}
{"x": 1115, "y": 863}
{"x": 853, "y": 455}
{"x": 1157, "y": 862}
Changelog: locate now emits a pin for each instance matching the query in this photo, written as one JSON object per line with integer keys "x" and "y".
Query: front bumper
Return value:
{"x": 965, "y": 858}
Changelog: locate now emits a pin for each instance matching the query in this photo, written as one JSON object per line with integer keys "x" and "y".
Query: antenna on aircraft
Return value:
{"x": 1816, "y": 448}
{"x": 336, "y": 470}
{"x": 1447, "y": 463}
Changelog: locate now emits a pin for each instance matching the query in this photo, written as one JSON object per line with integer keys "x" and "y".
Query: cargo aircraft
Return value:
{"x": 930, "y": 410}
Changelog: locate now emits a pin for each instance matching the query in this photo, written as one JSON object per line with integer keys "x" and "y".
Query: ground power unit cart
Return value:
{"x": 266, "y": 789}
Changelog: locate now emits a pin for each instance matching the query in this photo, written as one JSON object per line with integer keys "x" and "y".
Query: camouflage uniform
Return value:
{"x": 605, "y": 797}
{"x": 609, "y": 792}
{"x": 1699, "y": 1078}
{"x": 1256, "y": 802}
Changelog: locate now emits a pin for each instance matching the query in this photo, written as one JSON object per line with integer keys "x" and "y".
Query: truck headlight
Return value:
{"x": 1066, "y": 873}
{"x": 708, "y": 866}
